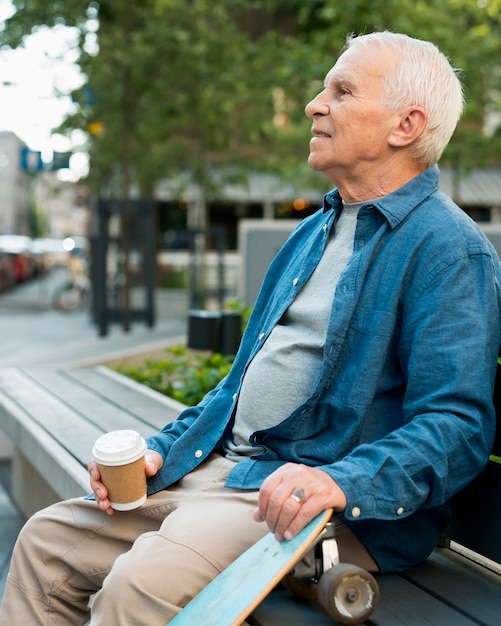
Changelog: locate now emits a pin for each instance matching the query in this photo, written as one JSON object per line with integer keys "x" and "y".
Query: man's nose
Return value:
{"x": 316, "y": 107}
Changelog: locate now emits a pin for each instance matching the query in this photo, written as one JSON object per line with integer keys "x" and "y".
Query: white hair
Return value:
{"x": 424, "y": 77}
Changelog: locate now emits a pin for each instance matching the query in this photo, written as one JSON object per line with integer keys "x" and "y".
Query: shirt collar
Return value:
{"x": 396, "y": 206}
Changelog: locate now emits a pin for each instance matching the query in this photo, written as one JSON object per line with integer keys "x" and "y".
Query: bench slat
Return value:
{"x": 62, "y": 424}
{"x": 401, "y": 604}
{"x": 468, "y": 586}
{"x": 153, "y": 407}
{"x": 281, "y": 608}
{"x": 95, "y": 409}
{"x": 66, "y": 474}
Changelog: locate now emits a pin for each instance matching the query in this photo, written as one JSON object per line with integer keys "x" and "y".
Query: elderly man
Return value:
{"x": 363, "y": 382}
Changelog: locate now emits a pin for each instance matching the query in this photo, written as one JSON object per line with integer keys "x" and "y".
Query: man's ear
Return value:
{"x": 411, "y": 124}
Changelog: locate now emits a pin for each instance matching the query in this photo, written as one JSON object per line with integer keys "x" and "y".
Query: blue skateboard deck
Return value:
{"x": 235, "y": 593}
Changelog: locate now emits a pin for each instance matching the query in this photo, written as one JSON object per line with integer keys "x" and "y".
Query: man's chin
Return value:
{"x": 315, "y": 163}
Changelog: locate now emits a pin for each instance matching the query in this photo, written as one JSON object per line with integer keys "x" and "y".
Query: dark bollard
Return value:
{"x": 217, "y": 331}
{"x": 204, "y": 330}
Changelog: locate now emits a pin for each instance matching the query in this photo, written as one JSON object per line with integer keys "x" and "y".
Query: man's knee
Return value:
{"x": 156, "y": 572}
{"x": 30, "y": 539}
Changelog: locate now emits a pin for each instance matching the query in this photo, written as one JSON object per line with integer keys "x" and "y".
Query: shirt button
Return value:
{"x": 400, "y": 510}
{"x": 325, "y": 228}
{"x": 198, "y": 454}
{"x": 261, "y": 336}
{"x": 355, "y": 511}
{"x": 344, "y": 288}
{"x": 235, "y": 396}
{"x": 295, "y": 281}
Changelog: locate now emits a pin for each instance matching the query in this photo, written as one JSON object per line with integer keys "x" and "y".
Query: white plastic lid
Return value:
{"x": 119, "y": 447}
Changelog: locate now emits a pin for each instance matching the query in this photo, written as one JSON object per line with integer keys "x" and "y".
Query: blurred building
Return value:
{"x": 14, "y": 187}
{"x": 262, "y": 196}
{"x": 477, "y": 192}
{"x": 64, "y": 205}
{"x": 29, "y": 186}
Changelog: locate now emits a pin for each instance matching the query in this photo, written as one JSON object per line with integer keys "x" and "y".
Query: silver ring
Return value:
{"x": 298, "y": 496}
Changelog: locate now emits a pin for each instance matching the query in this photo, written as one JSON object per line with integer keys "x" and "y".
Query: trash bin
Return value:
{"x": 217, "y": 331}
{"x": 204, "y": 330}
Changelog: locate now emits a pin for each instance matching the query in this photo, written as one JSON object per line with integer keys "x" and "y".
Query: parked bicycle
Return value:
{"x": 77, "y": 291}
{"x": 75, "y": 294}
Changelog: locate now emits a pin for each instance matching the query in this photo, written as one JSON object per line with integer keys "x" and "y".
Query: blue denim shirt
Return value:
{"x": 401, "y": 416}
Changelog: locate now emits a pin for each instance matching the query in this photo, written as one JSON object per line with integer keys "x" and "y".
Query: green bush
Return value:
{"x": 183, "y": 374}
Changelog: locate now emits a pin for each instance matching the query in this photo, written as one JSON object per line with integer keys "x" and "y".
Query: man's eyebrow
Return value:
{"x": 338, "y": 80}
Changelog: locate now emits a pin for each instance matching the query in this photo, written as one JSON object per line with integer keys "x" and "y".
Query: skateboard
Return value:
{"x": 347, "y": 593}
{"x": 235, "y": 593}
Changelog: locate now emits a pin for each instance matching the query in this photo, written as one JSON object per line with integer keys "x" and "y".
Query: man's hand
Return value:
{"x": 293, "y": 495}
{"x": 153, "y": 462}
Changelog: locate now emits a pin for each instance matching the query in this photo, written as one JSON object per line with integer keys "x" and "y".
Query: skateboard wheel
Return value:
{"x": 348, "y": 593}
{"x": 304, "y": 588}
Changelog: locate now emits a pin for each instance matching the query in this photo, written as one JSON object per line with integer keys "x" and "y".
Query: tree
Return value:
{"x": 190, "y": 85}
{"x": 171, "y": 85}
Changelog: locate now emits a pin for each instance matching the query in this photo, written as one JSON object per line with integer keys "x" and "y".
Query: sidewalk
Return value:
{"x": 32, "y": 333}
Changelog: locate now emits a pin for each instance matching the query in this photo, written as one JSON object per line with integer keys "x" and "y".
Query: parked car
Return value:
{"x": 7, "y": 276}
{"x": 18, "y": 247}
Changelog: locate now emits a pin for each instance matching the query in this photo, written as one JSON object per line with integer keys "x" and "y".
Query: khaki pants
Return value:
{"x": 143, "y": 565}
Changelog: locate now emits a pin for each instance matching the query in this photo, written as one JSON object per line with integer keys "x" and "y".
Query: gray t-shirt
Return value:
{"x": 284, "y": 372}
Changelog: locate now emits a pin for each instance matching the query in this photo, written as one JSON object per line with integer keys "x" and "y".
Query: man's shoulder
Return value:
{"x": 440, "y": 213}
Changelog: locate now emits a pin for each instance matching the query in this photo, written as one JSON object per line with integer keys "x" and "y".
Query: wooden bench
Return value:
{"x": 54, "y": 416}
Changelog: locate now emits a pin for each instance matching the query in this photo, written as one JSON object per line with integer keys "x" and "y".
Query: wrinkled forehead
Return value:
{"x": 359, "y": 65}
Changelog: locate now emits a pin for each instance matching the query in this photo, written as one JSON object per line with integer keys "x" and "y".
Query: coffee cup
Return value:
{"x": 120, "y": 458}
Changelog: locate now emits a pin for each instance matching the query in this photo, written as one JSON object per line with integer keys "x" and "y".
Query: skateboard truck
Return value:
{"x": 348, "y": 593}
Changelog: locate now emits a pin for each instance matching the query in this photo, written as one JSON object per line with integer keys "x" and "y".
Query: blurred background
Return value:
{"x": 162, "y": 144}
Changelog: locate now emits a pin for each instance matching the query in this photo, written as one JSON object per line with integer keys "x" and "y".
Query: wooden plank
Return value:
{"x": 401, "y": 603}
{"x": 472, "y": 589}
{"x": 281, "y": 608}
{"x": 64, "y": 425}
{"x": 54, "y": 418}
{"x": 66, "y": 474}
{"x": 153, "y": 400}
{"x": 90, "y": 406}
{"x": 153, "y": 407}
